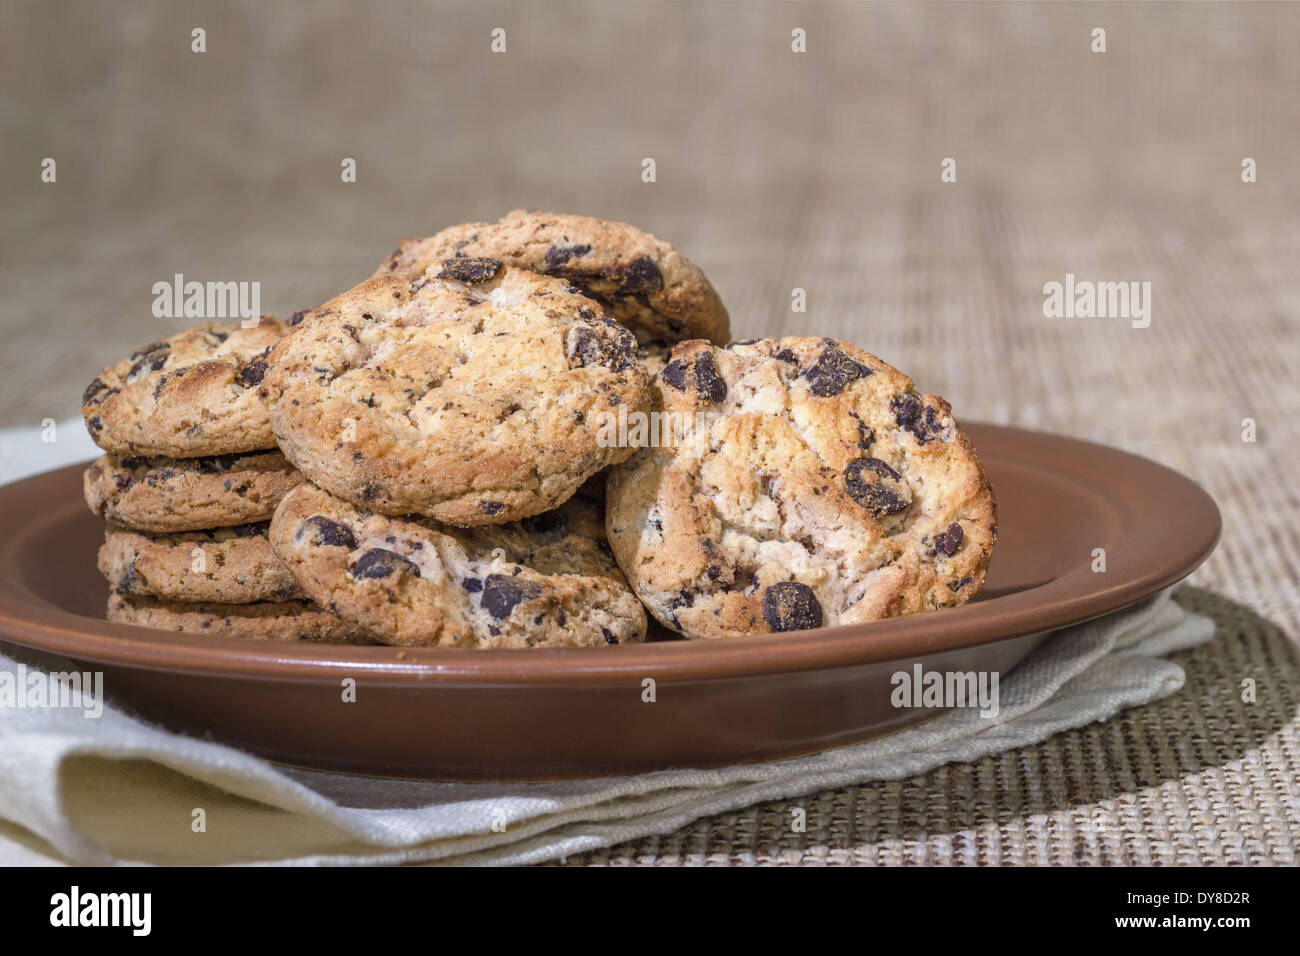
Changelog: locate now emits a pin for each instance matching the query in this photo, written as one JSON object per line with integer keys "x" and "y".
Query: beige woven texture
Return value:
{"x": 775, "y": 170}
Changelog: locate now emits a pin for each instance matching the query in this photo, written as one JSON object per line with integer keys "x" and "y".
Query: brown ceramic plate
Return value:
{"x": 579, "y": 712}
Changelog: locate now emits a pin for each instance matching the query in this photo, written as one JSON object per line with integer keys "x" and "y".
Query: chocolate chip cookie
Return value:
{"x": 265, "y": 620}
{"x": 188, "y": 494}
{"x": 189, "y": 395}
{"x": 410, "y": 581}
{"x": 224, "y": 565}
{"x": 641, "y": 280}
{"x": 473, "y": 395}
{"x": 812, "y": 486}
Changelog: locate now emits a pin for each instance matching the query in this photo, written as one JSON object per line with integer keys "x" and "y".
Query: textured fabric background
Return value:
{"x": 775, "y": 170}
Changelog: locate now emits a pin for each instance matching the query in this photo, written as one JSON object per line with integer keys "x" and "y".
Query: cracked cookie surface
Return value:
{"x": 223, "y": 565}
{"x": 189, "y": 395}
{"x": 472, "y": 395}
{"x": 264, "y": 620}
{"x": 641, "y": 280}
{"x": 813, "y": 487}
{"x": 188, "y": 494}
{"x": 411, "y": 581}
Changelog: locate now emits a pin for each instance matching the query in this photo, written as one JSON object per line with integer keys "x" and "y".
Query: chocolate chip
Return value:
{"x": 558, "y": 256}
{"x": 380, "y": 563}
{"x": 791, "y": 606}
{"x": 501, "y": 593}
{"x": 94, "y": 388}
{"x": 607, "y": 343}
{"x": 708, "y": 383}
{"x": 877, "y": 487}
{"x": 608, "y": 635}
{"x": 674, "y": 374}
{"x": 298, "y": 317}
{"x": 252, "y": 373}
{"x": 787, "y": 356}
{"x": 322, "y": 531}
{"x": 641, "y": 277}
{"x": 94, "y": 425}
{"x": 470, "y": 268}
{"x": 915, "y": 416}
{"x": 472, "y": 585}
{"x": 491, "y": 507}
{"x": 149, "y": 359}
{"x": 833, "y": 371}
{"x": 949, "y": 541}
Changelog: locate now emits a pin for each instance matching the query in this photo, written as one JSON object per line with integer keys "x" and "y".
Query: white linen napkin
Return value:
{"x": 115, "y": 789}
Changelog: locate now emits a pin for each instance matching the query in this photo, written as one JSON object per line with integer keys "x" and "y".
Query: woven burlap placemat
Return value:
{"x": 1201, "y": 777}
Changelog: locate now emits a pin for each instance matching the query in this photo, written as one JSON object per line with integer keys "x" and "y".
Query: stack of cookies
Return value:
{"x": 455, "y": 466}
{"x": 188, "y": 486}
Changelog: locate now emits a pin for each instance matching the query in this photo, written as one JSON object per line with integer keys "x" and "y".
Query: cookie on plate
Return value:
{"x": 473, "y": 396}
{"x": 188, "y": 494}
{"x": 189, "y": 395}
{"x": 813, "y": 486}
{"x": 223, "y": 565}
{"x": 410, "y": 581}
{"x": 265, "y": 620}
{"x": 641, "y": 280}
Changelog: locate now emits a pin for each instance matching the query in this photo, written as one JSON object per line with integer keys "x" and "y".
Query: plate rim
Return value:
{"x": 30, "y": 621}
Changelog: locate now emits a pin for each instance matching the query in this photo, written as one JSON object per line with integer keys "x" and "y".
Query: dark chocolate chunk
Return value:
{"x": 949, "y": 541}
{"x": 791, "y": 606}
{"x": 833, "y": 371}
{"x": 93, "y": 389}
{"x": 674, "y": 374}
{"x": 380, "y": 563}
{"x": 608, "y": 635}
{"x": 149, "y": 359}
{"x": 321, "y": 530}
{"x": 917, "y": 417}
{"x": 607, "y": 343}
{"x": 470, "y": 268}
{"x": 252, "y": 373}
{"x": 472, "y": 585}
{"x": 502, "y": 592}
{"x": 641, "y": 277}
{"x": 877, "y": 487}
{"x": 557, "y": 256}
{"x": 491, "y": 507}
{"x": 708, "y": 383}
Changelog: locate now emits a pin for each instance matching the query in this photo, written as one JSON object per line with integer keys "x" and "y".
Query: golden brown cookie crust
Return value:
{"x": 222, "y": 565}
{"x": 265, "y": 620}
{"x": 190, "y": 395}
{"x": 188, "y": 494}
{"x": 471, "y": 400}
{"x": 410, "y": 581}
{"x": 816, "y": 487}
{"x": 641, "y": 280}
